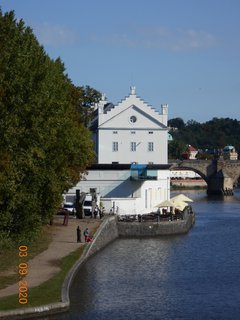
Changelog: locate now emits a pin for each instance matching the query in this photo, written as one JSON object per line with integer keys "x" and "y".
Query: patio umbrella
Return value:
{"x": 165, "y": 203}
{"x": 180, "y": 205}
{"x": 181, "y": 197}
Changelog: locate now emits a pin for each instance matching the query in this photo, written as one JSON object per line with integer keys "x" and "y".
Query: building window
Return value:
{"x": 150, "y": 146}
{"x": 146, "y": 199}
{"x": 115, "y": 132}
{"x": 133, "y": 132}
{"x": 115, "y": 146}
{"x": 150, "y": 132}
{"x": 133, "y": 119}
{"x": 133, "y": 146}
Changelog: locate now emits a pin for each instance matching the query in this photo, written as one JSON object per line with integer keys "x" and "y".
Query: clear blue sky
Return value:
{"x": 182, "y": 52}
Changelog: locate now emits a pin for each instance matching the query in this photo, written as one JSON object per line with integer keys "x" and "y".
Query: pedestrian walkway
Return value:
{"x": 45, "y": 265}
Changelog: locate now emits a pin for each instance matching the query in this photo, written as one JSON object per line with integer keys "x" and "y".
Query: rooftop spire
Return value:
{"x": 133, "y": 90}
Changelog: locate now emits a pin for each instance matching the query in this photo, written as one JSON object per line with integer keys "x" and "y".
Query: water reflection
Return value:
{"x": 192, "y": 276}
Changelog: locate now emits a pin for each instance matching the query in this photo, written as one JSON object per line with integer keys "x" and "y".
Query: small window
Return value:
{"x": 115, "y": 146}
{"x": 133, "y": 146}
{"x": 150, "y": 146}
{"x": 150, "y": 132}
{"x": 133, "y": 119}
{"x": 115, "y": 132}
{"x": 133, "y": 132}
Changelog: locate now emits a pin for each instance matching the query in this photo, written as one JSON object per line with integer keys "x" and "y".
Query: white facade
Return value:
{"x": 127, "y": 135}
{"x": 124, "y": 195}
{"x": 132, "y": 131}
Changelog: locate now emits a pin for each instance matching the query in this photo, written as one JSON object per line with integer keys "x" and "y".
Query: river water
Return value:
{"x": 192, "y": 276}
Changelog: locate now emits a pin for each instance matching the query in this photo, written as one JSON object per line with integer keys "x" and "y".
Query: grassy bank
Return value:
{"x": 9, "y": 258}
{"x": 49, "y": 291}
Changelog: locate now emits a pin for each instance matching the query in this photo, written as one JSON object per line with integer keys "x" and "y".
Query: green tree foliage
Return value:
{"x": 43, "y": 144}
{"x": 213, "y": 134}
{"x": 175, "y": 149}
{"x": 176, "y": 123}
{"x": 86, "y": 98}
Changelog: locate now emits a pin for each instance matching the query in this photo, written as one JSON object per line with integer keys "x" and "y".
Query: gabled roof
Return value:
{"x": 135, "y": 103}
{"x": 106, "y": 115}
{"x": 138, "y": 111}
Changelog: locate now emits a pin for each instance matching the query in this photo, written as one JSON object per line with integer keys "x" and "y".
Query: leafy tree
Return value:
{"x": 175, "y": 149}
{"x": 211, "y": 135}
{"x": 176, "y": 123}
{"x": 86, "y": 97}
{"x": 44, "y": 145}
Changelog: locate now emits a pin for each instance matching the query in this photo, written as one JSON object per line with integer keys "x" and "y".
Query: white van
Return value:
{"x": 88, "y": 204}
{"x": 69, "y": 206}
{"x": 69, "y": 203}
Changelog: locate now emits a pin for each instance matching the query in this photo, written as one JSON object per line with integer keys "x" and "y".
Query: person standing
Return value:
{"x": 86, "y": 233}
{"x": 96, "y": 211}
{"x": 78, "y": 234}
{"x": 66, "y": 216}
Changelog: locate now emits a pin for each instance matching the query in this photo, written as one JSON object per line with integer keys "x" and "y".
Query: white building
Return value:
{"x": 230, "y": 153}
{"x": 132, "y": 174}
{"x": 127, "y": 188}
{"x": 184, "y": 174}
{"x": 131, "y": 131}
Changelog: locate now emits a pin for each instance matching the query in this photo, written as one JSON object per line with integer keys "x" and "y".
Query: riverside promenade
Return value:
{"x": 46, "y": 265}
{"x": 42, "y": 268}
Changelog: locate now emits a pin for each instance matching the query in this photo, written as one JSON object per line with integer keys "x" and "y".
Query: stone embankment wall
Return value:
{"x": 106, "y": 233}
{"x": 189, "y": 183}
{"x": 151, "y": 229}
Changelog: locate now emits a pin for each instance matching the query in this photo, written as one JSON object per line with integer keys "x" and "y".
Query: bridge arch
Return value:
{"x": 220, "y": 175}
{"x": 201, "y": 174}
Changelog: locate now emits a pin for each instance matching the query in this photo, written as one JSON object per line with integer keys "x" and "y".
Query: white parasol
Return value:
{"x": 166, "y": 203}
{"x": 180, "y": 205}
{"x": 181, "y": 197}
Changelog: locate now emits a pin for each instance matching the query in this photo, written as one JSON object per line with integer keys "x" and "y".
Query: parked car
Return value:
{"x": 70, "y": 207}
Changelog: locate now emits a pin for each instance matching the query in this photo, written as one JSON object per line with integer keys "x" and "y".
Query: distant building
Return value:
{"x": 182, "y": 174}
{"x": 190, "y": 153}
{"x": 186, "y": 178}
{"x": 230, "y": 153}
{"x": 170, "y": 138}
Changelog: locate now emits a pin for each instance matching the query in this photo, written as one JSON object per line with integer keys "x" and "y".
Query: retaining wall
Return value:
{"x": 151, "y": 229}
{"x": 106, "y": 233}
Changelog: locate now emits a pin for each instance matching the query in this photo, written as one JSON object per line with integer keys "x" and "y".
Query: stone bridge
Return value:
{"x": 220, "y": 175}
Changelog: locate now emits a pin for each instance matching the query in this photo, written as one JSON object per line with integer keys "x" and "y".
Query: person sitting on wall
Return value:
{"x": 89, "y": 239}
